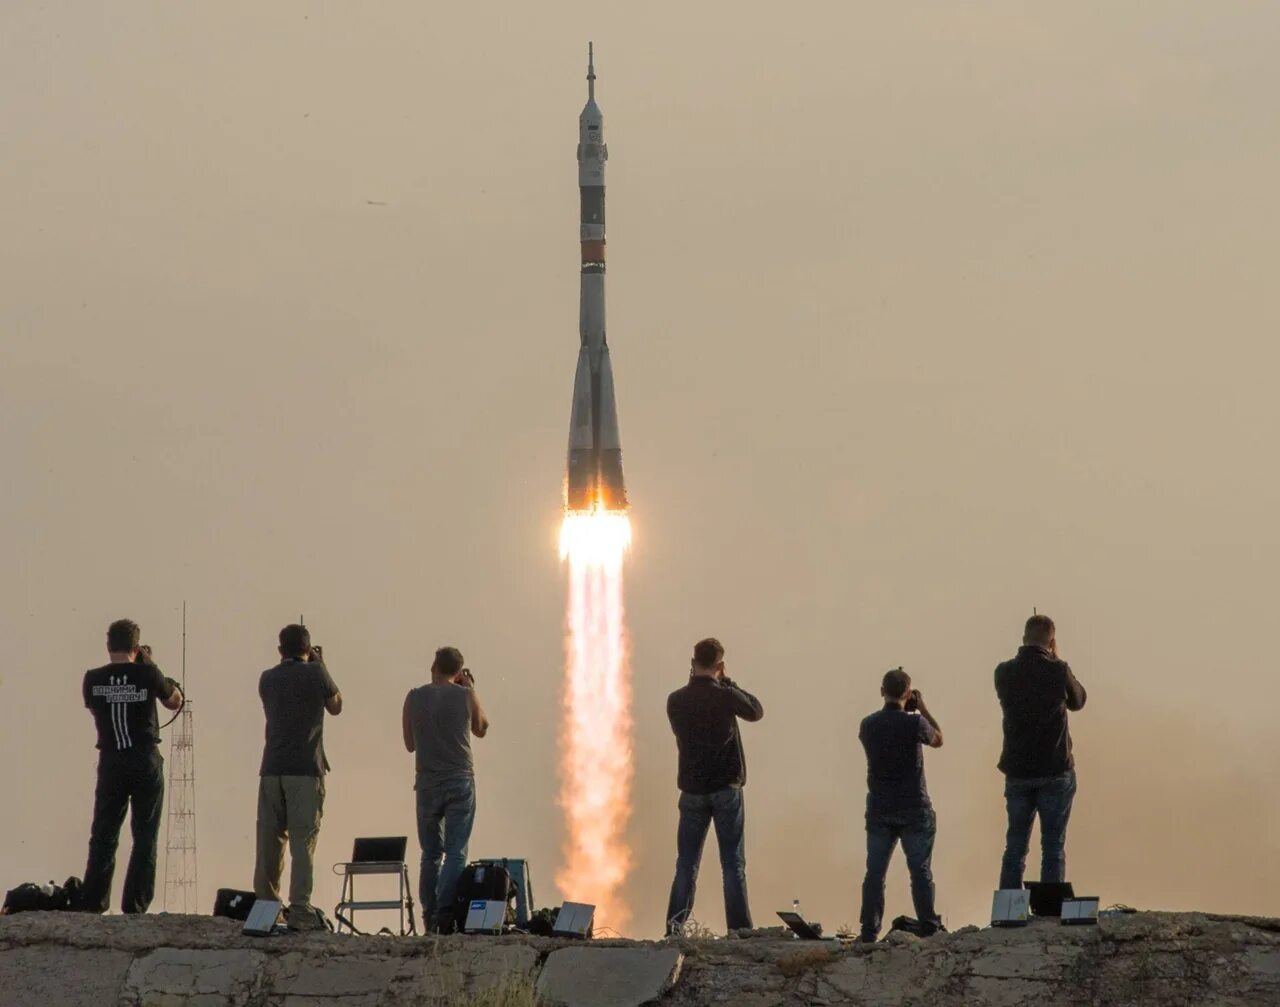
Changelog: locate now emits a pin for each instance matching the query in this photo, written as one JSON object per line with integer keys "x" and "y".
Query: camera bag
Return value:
{"x": 30, "y": 897}
{"x": 233, "y": 903}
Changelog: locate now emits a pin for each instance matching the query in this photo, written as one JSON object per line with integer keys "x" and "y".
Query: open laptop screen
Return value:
{"x": 379, "y": 849}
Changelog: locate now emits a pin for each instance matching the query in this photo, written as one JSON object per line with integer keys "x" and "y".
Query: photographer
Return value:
{"x": 438, "y": 720}
{"x": 295, "y": 695}
{"x": 898, "y": 805}
{"x": 1036, "y": 689}
{"x": 122, "y": 698}
{"x": 713, "y": 770}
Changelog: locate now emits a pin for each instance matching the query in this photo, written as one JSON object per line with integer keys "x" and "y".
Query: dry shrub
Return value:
{"x": 810, "y": 960}
{"x": 515, "y": 990}
{"x": 695, "y": 931}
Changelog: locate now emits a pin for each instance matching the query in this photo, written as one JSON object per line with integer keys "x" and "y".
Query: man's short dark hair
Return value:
{"x": 1039, "y": 629}
{"x": 896, "y": 683}
{"x": 123, "y": 636}
{"x": 708, "y": 653}
{"x": 295, "y": 640}
{"x": 448, "y": 661}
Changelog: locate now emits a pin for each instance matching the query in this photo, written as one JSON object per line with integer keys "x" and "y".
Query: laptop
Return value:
{"x": 1009, "y": 907}
{"x": 1080, "y": 911}
{"x": 574, "y": 920}
{"x": 1046, "y": 896}
{"x": 801, "y": 927}
{"x": 485, "y": 917}
{"x": 262, "y": 918}
{"x": 379, "y": 850}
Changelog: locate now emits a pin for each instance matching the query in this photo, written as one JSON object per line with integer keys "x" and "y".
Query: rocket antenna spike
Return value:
{"x": 591, "y": 71}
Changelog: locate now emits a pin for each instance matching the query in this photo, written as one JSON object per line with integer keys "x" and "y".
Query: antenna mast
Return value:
{"x": 180, "y": 874}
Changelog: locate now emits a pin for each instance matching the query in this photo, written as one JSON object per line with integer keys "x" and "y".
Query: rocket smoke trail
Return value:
{"x": 596, "y": 533}
{"x": 596, "y": 772}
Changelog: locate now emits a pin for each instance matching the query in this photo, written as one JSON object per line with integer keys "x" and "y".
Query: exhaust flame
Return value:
{"x": 596, "y": 770}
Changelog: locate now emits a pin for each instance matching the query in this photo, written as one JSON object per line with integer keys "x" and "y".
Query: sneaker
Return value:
{"x": 306, "y": 919}
{"x": 867, "y": 937}
{"x": 444, "y": 925}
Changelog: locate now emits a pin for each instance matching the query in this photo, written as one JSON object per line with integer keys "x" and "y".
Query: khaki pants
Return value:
{"x": 289, "y": 807}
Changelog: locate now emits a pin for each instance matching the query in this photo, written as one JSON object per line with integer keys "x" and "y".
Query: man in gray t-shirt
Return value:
{"x": 295, "y": 696}
{"x": 438, "y": 721}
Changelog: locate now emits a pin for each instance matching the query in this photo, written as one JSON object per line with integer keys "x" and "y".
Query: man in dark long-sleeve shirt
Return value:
{"x": 898, "y": 805}
{"x": 704, "y": 717}
{"x": 1036, "y": 689}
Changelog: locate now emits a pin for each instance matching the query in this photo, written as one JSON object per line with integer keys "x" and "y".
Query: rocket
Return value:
{"x": 594, "y": 477}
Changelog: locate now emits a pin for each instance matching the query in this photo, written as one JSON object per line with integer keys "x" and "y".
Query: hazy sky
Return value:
{"x": 921, "y": 315}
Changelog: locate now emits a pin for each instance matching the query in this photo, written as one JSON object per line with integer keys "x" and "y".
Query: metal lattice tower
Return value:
{"x": 180, "y": 873}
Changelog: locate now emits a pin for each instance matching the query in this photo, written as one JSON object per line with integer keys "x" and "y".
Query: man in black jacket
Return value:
{"x": 1036, "y": 689}
{"x": 704, "y": 717}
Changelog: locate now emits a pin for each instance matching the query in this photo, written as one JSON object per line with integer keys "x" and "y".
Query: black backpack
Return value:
{"x": 233, "y": 903}
{"x": 484, "y": 882}
{"x": 30, "y": 897}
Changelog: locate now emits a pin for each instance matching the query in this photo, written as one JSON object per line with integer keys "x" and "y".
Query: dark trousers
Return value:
{"x": 1050, "y": 797}
{"x": 917, "y": 829}
{"x": 132, "y": 780}
{"x": 697, "y": 812}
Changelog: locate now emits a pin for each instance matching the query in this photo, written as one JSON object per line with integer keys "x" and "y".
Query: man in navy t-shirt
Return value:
{"x": 898, "y": 805}
{"x": 122, "y": 697}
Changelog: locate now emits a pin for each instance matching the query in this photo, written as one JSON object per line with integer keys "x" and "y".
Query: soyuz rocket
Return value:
{"x": 594, "y": 477}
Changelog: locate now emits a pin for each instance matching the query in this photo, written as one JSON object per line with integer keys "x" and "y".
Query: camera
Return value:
{"x": 465, "y": 677}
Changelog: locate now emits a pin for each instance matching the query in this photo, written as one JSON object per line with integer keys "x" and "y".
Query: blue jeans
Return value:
{"x": 697, "y": 812}
{"x": 446, "y": 812}
{"x": 1050, "y": 797}
{"x": 916, "y": 829}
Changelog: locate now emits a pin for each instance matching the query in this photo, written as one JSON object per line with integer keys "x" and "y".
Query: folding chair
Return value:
{"x": 382, "y": 855}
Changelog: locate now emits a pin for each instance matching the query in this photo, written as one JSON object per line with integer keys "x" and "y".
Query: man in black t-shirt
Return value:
{"x": 704, "y": 717}
{"x": 122, "y": 698}
{"x": 295, "y": 695}
{"x": 898, "y": 805}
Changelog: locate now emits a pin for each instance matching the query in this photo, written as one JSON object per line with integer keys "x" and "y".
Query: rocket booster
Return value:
{"x": 594, "y": 477}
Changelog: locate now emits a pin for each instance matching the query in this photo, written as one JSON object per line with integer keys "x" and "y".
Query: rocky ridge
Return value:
{"x": 164, "y": 961}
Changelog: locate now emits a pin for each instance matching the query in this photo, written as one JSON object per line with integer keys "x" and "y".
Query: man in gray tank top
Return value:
{"x": 438, "y": 721}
